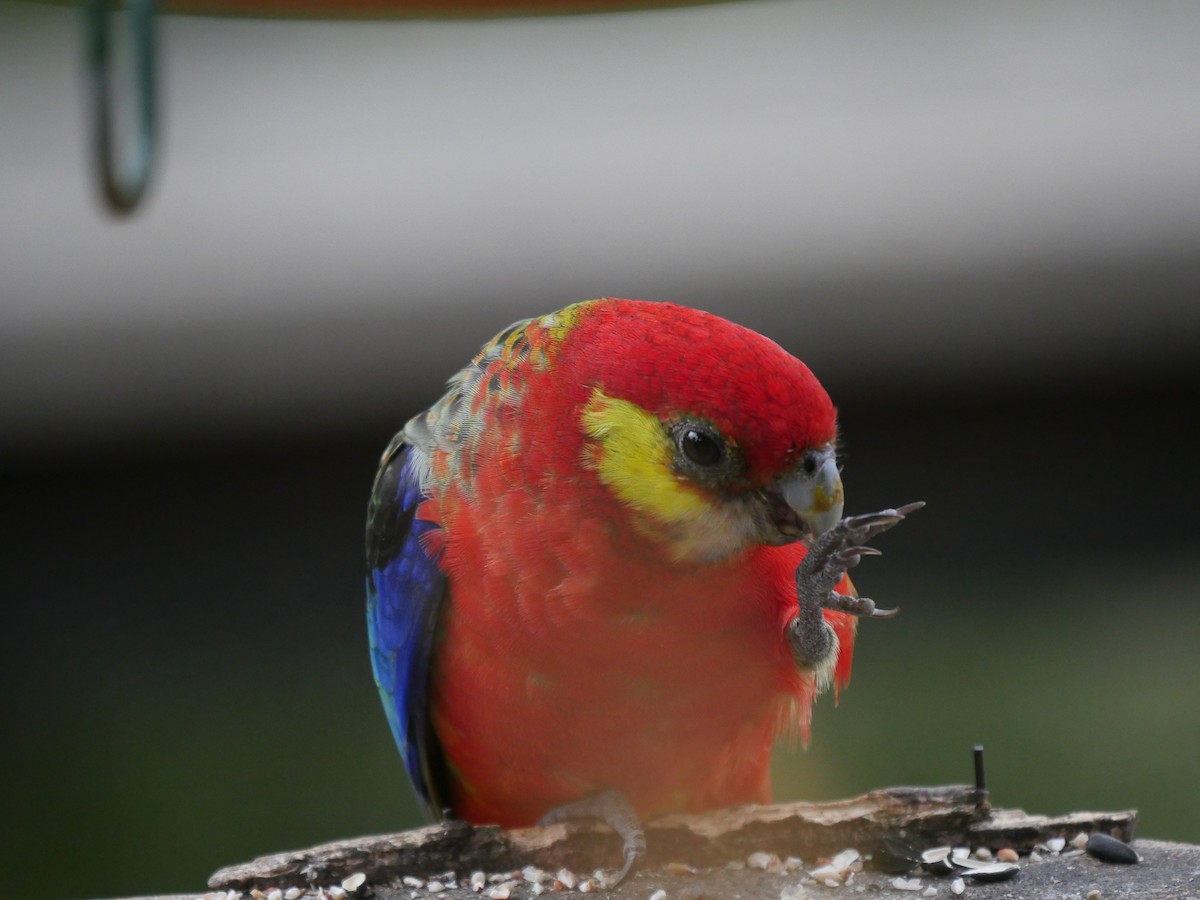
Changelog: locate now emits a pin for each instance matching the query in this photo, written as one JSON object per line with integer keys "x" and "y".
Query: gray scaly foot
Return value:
{"x": 611, "y": 807}
{"x": 831, "y": 555}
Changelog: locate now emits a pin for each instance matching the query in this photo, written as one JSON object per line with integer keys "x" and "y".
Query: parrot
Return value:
{"x": 607, "y": 570}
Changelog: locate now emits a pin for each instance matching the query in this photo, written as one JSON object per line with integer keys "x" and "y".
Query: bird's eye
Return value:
{"x": 700, "y": 447}
{"x": 811, "y": 464}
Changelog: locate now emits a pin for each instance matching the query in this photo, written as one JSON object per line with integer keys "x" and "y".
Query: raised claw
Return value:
{"x": 864, "y": 607}
{"x": 868, "y": 525}
{"x": 841, "y": 548}
{"x": 831, "y": 554}
{"x": 852, "y": 556}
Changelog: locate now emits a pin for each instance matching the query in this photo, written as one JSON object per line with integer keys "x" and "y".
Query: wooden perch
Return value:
{"x": 924, "y": 817}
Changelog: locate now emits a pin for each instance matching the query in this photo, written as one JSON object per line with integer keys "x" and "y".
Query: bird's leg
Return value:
{"x": 833, "y": 553}
{"x": 611, "y": 807}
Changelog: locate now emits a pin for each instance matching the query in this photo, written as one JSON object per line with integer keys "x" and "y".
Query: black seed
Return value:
{"x": 894, "y": 856}
{"x": 1109, "y": 849}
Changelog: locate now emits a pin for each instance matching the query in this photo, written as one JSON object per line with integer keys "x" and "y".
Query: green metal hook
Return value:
{"x": 124, "y": 165}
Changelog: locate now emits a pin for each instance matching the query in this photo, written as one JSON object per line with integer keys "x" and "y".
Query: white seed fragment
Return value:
{"x": 274, "y": 894}
{"x": 533, "y": 874}
{"x": 983, "y": 853}
{"x": 839, "y": 869}
{"x": 907, "y": 884}
{"x": 478, "y": 880}
{"x": 792, "y": 864}
{"x": 1079, "y": 841}
{"x": 1056, "y": 844}
{"x": 353, "y": 882}
{"x": 660, "y": 894}
{"x": 845, "y": 860}
{"x": 435, "y": 887}
{"x": 825, "y": 873}
{"x": 1034, "y": 856}
{"x": 930, "y": 891}
{"x": 538, "y": 889}
{"x": 587, "y": 886}
{"x": 409, "y": 881}
{"x": 960, "y": 852}
{"x": 500, "y": 892}
{"x": 761, "y": 860}
{"x": 568, "y": 879}
{"x": 957, "y": 886}
{"x": 337, "y": 892}
{"x": 293, "y": 893}
{"x": 257, "y": 894}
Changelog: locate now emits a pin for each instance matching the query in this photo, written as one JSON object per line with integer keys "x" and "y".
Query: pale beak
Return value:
{"x": 813, "y": 493}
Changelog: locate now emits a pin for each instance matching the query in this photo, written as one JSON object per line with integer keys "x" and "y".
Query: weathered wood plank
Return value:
{"x": 924, "y": 816}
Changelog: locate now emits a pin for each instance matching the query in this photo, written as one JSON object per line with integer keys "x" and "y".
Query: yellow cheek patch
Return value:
{"x": 635, "y": 460}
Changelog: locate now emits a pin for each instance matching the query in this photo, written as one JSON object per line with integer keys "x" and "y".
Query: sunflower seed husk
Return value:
{"x": 992, "y": 872}
{"x": 937, "y": 860}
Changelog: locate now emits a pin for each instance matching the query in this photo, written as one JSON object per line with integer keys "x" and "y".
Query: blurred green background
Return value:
{"x": 978, "y": 223}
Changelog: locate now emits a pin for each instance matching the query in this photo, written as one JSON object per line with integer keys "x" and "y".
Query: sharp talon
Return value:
{"x": 887, "y": 516}
{"x": 909, "y": 508}
{"x": 886, "y": 613}
{"x": 852, "y": 556}
{"x": 848, "y": 558}
{"x": 631, "y": 858}
{"x": 611, "y": 807}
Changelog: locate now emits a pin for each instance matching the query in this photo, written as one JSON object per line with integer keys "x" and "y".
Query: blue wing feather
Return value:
{"x": 405, "y": 591}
